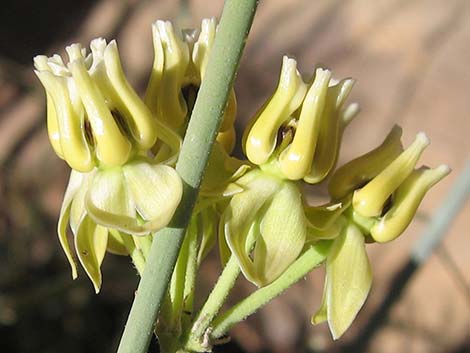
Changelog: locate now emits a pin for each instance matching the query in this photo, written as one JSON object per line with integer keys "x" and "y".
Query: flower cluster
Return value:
{"x": 123, "y": 186}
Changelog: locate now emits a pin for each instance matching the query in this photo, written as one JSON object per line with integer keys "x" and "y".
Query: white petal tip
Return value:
{"x": 423, "y": 139}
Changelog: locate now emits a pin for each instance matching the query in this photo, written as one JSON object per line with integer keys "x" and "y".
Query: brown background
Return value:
{"x": 411, "y": 61}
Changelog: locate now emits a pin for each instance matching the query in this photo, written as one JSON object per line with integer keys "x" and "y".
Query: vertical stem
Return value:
{"x": 223, "y": 62}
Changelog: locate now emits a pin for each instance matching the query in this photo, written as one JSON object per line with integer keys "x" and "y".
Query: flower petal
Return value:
{"x": 283, "y": 233}
{"x": 108, "y": 201}
{"x": 91, "y": 242}
{"x": 349, "y": 279}
{"x": 156, "y": 191}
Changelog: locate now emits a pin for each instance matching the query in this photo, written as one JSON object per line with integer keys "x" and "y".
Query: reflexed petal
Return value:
{"x": 156, "y": 191}
{"x": 240, "y": 217}
{"x": 283, "y": 232}
{"x": 349, "y": 279}
{"x": 75, "y": 181}
{"x": 91, "y": 242}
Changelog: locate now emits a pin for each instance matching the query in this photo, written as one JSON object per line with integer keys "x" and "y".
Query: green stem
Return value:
{"x": 191, "y": 268}
{"x": 177, "y": 287}
{"x": 310, "y": 259}
{"x": 223, "y": 62}
{"x": 215, "y": 300}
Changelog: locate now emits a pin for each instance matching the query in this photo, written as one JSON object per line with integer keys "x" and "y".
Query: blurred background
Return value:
{"x": 411, "y": 62}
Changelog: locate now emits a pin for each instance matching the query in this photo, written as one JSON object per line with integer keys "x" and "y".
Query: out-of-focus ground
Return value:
{"x": 410, "y": 59}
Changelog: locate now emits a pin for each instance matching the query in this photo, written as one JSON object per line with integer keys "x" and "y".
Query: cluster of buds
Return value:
{"x": 123, "y": 186}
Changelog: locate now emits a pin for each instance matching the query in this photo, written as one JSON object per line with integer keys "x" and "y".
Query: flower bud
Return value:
{"x": 369, "y": 200}
{"x": 362, "y": 169}
{"x": 406, "y": 201}
{"x": 261, "y": 137}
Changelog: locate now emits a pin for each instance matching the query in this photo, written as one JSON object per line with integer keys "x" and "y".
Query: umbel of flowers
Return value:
{"x": 123, "y": 187}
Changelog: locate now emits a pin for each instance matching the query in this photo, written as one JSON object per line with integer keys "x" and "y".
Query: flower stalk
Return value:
{"x": 306, "y": 262}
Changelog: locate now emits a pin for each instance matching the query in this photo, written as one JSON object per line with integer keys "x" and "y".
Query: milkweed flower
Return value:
{"x": 105, "y": 132}
{"x": 309, "y": 118}
{"x": 384, "y": 191}
{"x": 180, "y": 62}
{"x": 295, "y": 136}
